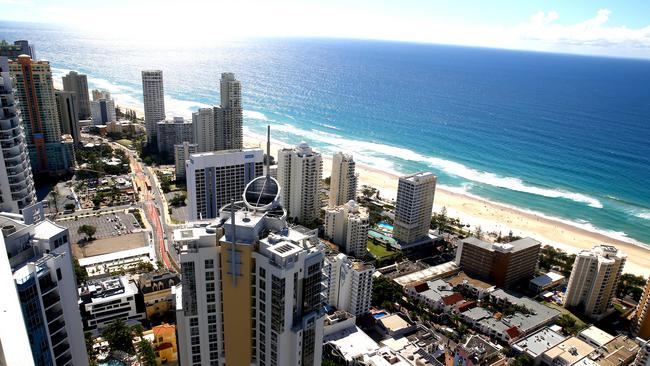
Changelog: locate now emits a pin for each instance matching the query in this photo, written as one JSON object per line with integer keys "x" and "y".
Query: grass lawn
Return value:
{"x": 379, "y": 251}
{"x": 125, "y": 142}
{"x": 579, "y": 323}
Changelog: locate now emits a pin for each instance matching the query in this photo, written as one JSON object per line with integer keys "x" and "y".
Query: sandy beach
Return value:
{"x": 493, "y": 217}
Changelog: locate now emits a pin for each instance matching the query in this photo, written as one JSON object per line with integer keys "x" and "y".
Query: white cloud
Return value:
{"x": 16, "y": 2}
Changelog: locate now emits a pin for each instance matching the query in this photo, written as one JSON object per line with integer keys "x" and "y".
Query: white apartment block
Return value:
{"x": 182, "y": 153}
{"x": 173, "y": 132}
{"x": 103, "y": 111}
{"x": 299, "y": 173}
{"x": 413, "y": 208}
{"x": 594, "y": 279}
{"x": 153, "y": 94}
{"x": 78, "y": 84}
{"x": 41, "y": 324}
{"x": 16, "y": 180}
{"x": 348, "y": 283}
{"x": 108, "y": 299}
{"x": 343, "y": 181}
{"x": 214, "y": 179}
{"x": 203, "y": 129}
{"x": 251, "y": 286}
{"x": 347, "y": 226}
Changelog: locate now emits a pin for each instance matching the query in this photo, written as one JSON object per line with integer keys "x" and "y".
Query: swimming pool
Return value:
{"x": 385, "y": 225}
{"x": 380, "y": 314}
{"x": 111, "y": 362}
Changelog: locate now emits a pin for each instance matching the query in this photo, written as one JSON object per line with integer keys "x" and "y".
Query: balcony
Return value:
{"x": 58, "y": 338}
{"x": 63, "y": 359}
{"x": 51, "y": 299}
{"x": 53, "y": 314}
{"x": 56, "y": 326}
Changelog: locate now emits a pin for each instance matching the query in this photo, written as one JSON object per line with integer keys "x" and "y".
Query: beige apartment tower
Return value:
{"x": 153, "y": 95}
{"x": 343, "y": 182}
{"x": 413, "y": 208}
{"x": 641, "y": 321}
{"x": 594, "y": 279}
{"x": 299, "y": 173}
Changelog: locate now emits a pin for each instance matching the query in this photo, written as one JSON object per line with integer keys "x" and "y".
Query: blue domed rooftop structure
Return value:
{"x": 262, "y": 193}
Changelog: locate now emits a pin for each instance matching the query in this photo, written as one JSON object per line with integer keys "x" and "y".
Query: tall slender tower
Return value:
{"x": 153, "y": 95}
{"x": 78, "y": 84}
{"x": 229, "y": 116}
{"x": 203, "y": 129}
{"x": 49, "y": 152}
{"x": 251, "y": 286}
{"x": 594, "y": 279}
{"x": 66, "y": 105}
{"x": 299, "y": 173}
{"x": 39, "y": 309}
{"x": 16, "y": 181}
{"x": 415, "y": 194}
{"x": 343, "y": 182}
{"x": 641, "y": 321}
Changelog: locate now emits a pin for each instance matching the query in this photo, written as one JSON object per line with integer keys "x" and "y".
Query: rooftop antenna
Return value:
{"x": 268, "y": 151}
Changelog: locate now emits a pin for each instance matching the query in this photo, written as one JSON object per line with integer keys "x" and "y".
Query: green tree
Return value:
{"x": 385, "y": 290}
{"x": 146, "y": 353}
{"x": 88, "y": 231}
{"x": 119, "y": 337}
{"x": 92, "y": 353}
{"x": 79, "y": 272}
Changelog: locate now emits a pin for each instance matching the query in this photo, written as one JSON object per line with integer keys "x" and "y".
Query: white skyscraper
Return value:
{"x": 41, "y": 324}
{"x": 78, "y": 84}
{"x": 154, "y": 101}
{"x": 215, "y": 178}
{"x": 348, "y": 283}
{"x": 16, "y": 181}
{"x": 182, "y": 153}
{"x": 229, "y": 116}
{"x": 251, "y": 287}
{"x": 347, "y": 226}
{"x": 203, "y": 129}
{"x": 413, "y": 207}
{"x": 343, "y": 182}
{"x": 594, "y": 279}
{"x": 299, "y": 173}
{"x": 103, "y": 111}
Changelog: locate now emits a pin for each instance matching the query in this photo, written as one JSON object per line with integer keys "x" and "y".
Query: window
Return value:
{"x": 59, "y": 276}
{"x": 209, "y": 263}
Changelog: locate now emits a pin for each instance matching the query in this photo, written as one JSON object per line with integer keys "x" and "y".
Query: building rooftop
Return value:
{"x": 90, "y": 261}
{"x": 595, "y": 336}
{"x": 351, "y": 343}
{"x": 514, "y": 246}
{"x": 477, "y": 314}
{"x": 619, "y": 351}
{"x": 394, "y": 322}
{"x": 427, "y": 274}
{"x": 539, "y": 342}
{"x": 101, "y": 290}
{"x": 418, "y": 177}
{"x": 539, "y": 314}
{"x": 463, "y": 278}
{"x": 546, "y": 279}
{"x": 569, "y": 351}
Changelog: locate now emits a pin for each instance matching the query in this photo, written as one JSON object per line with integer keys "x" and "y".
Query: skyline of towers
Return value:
{"x": 300, "y": 170}
{"x": 343, "y": 181}
{"x": 16, "y": 180}
{"x": 39, "y": 312}
{"x": 49, "y": 152}
{"x": 594, "y": 279}
{"x": 253, "y": 295}
{"x": 413, "y": 208}
{"x": 215, "y": 178}
{"x": 78, "y": 83}
{"x": 153, "y": 95}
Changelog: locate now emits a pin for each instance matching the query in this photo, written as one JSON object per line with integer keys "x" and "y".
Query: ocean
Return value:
{"x": 561, "y": 135}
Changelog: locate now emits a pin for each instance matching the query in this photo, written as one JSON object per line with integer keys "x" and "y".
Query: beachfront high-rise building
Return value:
{"x": 203, "y": 129}
{"x": 641, "y": 321}
{"x": 16, "y": 181}
{"x": 504, "y": 265}
{"x": 153, "y": 94}
{"x": 229, "y": 116}
{"x": 182, "y": 153}
{"x": 12, "y": 51}
{"x": 66, "y": 105}
{"x": 343, "y": 181}
{"x": 348, "y": 283}
{"x": 103, "y": 111}
{"x": 299, "y": 172}
{"x": 347, "y": 226}
{"x": 251, "y": 290}
{"x": 101, "y": 94}
{"x": 594, "y": 279}
{"x": 413, "y": 207}
{"x": 49, "y": 152}
{"x": 78, "y": 84}
{"x": 215, "y": 178}
{"x": 41, "y": 324}
{"x": 173, "y": 132}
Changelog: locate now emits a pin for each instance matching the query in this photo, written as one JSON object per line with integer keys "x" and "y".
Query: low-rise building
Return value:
{"x": 545, "y": 282}
{"x": 567, "y": 353}
{"x": 163, "y": 341}
{"x": 394, "y": 325}
{"x": 107, "y": 299}
{"x": 537, "y": 343}
{"x": 427, "y": 274}
{"x": 124, "y": 260}
{"x": 643, "y": 356}
{"x": 596, "y": 337}
{"x": 620, "y": 351}
{"x": 476, "y": 351}
{"x": 156, "y": 289}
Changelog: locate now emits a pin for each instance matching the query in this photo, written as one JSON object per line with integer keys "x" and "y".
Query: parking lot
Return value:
{"x": 108, "y": 225}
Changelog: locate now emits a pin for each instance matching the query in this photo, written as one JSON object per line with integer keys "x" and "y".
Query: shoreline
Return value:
{"x": 492, "y": 216}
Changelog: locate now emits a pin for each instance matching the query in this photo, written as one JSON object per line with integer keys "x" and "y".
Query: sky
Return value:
{"x": 611, "y": 28}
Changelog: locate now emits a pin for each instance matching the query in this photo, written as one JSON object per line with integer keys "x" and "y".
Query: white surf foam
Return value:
{"x": 255, "y": 115}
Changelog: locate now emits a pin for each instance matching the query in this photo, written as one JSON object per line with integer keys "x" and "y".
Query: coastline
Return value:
{"x": 492, "y": 216}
